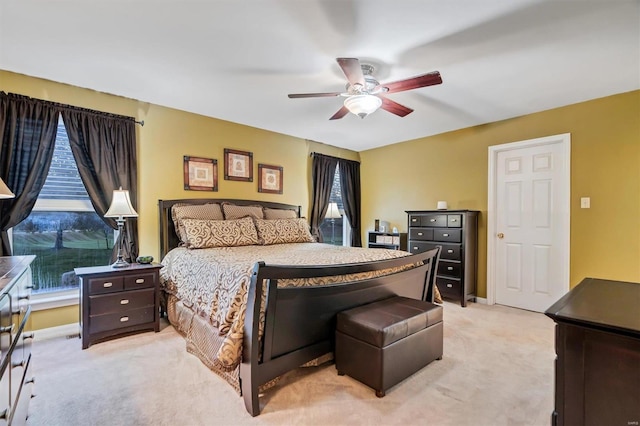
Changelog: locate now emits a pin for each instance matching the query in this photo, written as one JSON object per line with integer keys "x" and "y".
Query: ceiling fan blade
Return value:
{"x": 341, "y": 113}
{"x": 352, "y": 69}
{"x": 394, "y": 107}
{"x": 423, "y": 80}
{"x": 313, "y": 95}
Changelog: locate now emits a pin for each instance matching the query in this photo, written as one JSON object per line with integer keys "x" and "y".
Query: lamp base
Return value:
{"x": 120, "y": 263}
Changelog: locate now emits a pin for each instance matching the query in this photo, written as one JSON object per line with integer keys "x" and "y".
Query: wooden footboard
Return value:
{"x": 300, "y": 321}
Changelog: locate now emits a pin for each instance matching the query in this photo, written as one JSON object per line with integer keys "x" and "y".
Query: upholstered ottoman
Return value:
{"x": 383, "y": 343}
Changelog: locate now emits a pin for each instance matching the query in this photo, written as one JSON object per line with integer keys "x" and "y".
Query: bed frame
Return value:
{"x": 300, "y": 321}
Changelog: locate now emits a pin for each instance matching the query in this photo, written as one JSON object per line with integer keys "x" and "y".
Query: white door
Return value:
{"x": 529, "y": 239}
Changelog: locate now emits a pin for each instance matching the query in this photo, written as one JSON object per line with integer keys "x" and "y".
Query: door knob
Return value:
{"x": 500, "y": 235}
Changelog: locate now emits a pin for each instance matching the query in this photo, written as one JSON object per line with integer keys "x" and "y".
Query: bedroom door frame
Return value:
{"x": 565, "y": 142}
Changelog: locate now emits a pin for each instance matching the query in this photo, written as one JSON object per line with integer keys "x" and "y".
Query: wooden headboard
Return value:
{"x": 168, "y": 237}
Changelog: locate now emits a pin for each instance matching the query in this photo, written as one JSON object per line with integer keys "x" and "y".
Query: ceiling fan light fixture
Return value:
{"x": 362, "y": 105}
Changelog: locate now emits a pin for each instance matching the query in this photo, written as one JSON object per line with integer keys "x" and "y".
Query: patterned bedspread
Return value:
{"x": 213, "y": 282}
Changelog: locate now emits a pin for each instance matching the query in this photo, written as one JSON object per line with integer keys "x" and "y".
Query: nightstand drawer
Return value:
{"x": 106, "y": 284}
{"x": 450, "y": 235}
{"x": 450, "y": 269}
{"x": 423, "y": 234}
{"x": 117, "y": 320}
{"x": 133, "y": 282}
{"x": 121, "y": 302}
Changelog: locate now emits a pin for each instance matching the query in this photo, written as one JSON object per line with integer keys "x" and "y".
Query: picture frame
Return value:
{"x": 270, "y": 179}
{"x": 200, "y": 174}
{"x": 238, "y": 165}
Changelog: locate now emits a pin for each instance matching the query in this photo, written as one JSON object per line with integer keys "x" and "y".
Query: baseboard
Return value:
{"x": 67, "y": 330}
{"x": 481, "y": 300}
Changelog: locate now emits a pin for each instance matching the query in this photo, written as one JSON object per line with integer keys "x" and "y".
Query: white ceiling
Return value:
{"x": 237, "y": 60}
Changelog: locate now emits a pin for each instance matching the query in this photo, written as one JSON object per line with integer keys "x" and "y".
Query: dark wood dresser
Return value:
{"x": 116, "y": 302}
{"x": 16, "y": 376}
{"x": 457, "y": 232}
{"x": 597, "y": 371}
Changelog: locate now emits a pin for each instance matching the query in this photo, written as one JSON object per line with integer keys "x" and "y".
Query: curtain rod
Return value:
{"x": 331, "y": 156}
{"x": 77, "y": 108}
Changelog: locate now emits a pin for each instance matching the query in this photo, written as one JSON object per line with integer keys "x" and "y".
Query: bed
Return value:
{"x": 273, "y": 305}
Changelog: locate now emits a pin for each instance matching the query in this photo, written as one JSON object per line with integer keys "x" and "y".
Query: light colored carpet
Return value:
{"x": 497, "y": 370}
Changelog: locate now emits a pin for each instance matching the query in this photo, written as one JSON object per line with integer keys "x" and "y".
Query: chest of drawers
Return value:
{"x": 456, "y": 231}
{"x": 117, "y": 302}
{"x": 16, "y": 376}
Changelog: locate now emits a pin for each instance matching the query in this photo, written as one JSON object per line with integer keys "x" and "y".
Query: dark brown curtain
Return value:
{"x": 350, "y": 185}
{"x": 104, "y": 147}
{"x": 28, "y": 128}
{"x": 323, "y": 170}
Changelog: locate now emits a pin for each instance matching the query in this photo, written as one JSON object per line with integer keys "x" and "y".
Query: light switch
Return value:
{"x": 585, "y": 202}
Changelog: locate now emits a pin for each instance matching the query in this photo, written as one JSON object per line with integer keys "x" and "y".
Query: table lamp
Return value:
{"x": 120, "y": 208}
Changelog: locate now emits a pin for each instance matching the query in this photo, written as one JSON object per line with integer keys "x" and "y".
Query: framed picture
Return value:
{"x": 269, "y": 179}
{"x": 238, "y": 165}
{"x": 200, "y": 174}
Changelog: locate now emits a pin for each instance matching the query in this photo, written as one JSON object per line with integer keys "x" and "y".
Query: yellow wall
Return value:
{"x": 605, "y": 138}
{"x": 605, "y": 165}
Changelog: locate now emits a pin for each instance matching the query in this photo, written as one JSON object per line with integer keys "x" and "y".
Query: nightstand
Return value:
{"x": 117, "y": 302}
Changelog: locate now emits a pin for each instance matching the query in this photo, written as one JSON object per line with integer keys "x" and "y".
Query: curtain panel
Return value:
{"x": 323, "y": 169}
{"x": 104, "y": 147}
{"x": 28, "y": 128}
{"x": 350, "y": 185}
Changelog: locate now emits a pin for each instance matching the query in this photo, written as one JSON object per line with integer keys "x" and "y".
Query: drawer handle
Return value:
{"x": 28, "y": 336}
{"x": 107, "y": 285}
{"x": 419, "y": 233}
{"x": 432, "y": 220}
{"x": 124, "y": 319}
{"x": 7, "y": 329}
{"x": 139, "y": 280}
{"x": 124, "y": 302}
{"x": 414, "y": 220}
{"x": 449, "y": 285}
{"x": 27, "y": 297}
{"x": 4, "y": 414}
{"x": 415, "y": 248}
{"x": 29, "y": 287}
{"x": 18, "y": 364}
{"x": 449, "y": 268}
{"x": 31, "y": 380}
{"x": 445, "y": 235}
{"x": 454, "y": 220}
{"x": 449, "y": 251}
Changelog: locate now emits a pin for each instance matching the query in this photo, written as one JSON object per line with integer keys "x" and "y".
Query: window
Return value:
{"x": 63, "y": 230}
{"x": 336, "y": 231}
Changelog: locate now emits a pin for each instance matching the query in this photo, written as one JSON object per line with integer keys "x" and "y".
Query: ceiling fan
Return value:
{"x": 364, "y": 94}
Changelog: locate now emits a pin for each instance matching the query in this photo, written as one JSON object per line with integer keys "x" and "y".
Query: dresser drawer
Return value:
{"x": 436, "y": 220}
{"x": 448, "y": 287}
{"x": 423, "y": 234}
{"x": 117, "y": 320}
{"x": 419, "y": 246}
{"x": 450, "y": 269}
{"x": 450, "y": 235}
{"x": 121, "y": 302}
{"x": 143, "y": 280}
{"x": 454, "y": 221}
{"x": 450, "y": 251}
{"x": 106, "y": 284}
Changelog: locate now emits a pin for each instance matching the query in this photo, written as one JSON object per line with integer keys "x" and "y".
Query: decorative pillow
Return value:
{"x": 280, "y": 214}
{"x": 232, "y": 211}
{"x": 281, "y": 231}
{"x": 181, "y": 211}
{"x": 219, "y": 233}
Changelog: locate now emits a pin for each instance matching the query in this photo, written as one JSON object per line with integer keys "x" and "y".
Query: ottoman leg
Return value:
{"x": 380, "y": 393}
{"x": 340, "y": 373}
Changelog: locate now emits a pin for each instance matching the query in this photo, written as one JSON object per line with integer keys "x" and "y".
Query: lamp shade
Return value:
{"x": 121, "y": 205}
{"x": 362, "y": 105}
{"x": 332, "y": 211}
{"x": 5, "y": 192}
